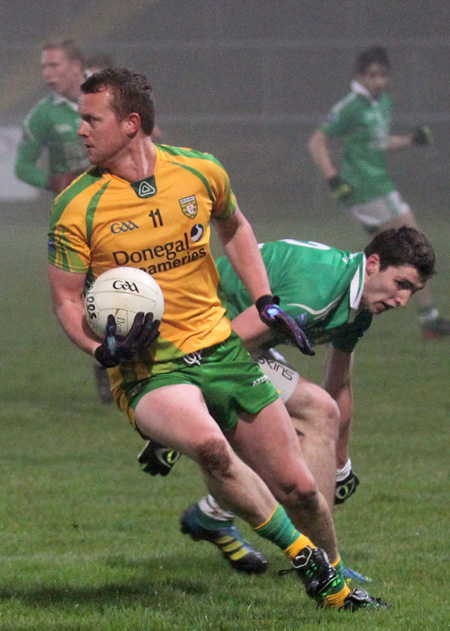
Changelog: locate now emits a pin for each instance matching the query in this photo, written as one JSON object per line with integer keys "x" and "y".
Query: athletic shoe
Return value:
{"x": 353, "y": 575}
{"x": 240, "y": 554}
{"x": 360, "y": 599}
{"x": 315, "y": 572}
{"x": 435, "y": 329}
{"x": 103, "y": 385}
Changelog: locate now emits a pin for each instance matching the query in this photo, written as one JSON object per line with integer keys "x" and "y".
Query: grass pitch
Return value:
{"x": 88, "y": 542}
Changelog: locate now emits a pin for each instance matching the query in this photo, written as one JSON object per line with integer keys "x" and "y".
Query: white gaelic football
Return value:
{"x": 122, "y": 292}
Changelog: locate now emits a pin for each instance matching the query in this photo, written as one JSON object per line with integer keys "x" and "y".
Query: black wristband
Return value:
{"x": 334, "y": 182}
{"x": 267, "y": 299}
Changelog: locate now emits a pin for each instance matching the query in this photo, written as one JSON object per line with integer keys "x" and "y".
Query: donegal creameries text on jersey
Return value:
{"x": 161, "y": 225}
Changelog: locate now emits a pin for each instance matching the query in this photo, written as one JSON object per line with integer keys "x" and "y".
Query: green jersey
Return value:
{"x": 321, "y": 282}
{"x": 51, "y": 125}
{"x": 361, "y": 124}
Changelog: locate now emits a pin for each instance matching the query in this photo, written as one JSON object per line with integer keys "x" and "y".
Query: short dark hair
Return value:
{"x": 404, "y": 246}
{"x": 71, "y": 48}
{"x": 131, "y": 93}
{"x": 373, "y": 55}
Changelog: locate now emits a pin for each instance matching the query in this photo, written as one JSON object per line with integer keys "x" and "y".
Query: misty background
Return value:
{"x": 249, "y": 82}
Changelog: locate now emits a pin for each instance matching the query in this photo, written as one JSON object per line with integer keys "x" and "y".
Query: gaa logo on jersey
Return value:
{"x": 189, "y": 206}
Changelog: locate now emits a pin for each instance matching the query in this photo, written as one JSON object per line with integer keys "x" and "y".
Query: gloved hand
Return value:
{"x": 422, "y": 136}
{"x": 345, "y": 488}
{"x": 157, "y": 459}
{"x": 275, "y": 318}
{"x": 114, "y": 350}
{"x": 340, "y": 190}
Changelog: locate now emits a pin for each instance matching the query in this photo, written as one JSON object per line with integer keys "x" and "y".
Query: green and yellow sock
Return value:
{"x": 338, "y": 590}
{"x": 279, "y": 530}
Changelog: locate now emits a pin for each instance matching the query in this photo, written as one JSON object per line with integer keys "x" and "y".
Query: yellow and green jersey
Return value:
{"x": 162, "y": 225}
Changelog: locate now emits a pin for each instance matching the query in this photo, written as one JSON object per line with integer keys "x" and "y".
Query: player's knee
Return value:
{"x": 319, "y": 411}
{"x": 328, "y": 420}
{"x": 306, "y": 498}
{"x": 214, "y": 458}
{"x": 299, "y": 492}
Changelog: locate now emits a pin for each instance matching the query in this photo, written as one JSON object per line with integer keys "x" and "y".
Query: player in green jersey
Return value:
{"x": 335, "y": 294}
{"x": 51, "y": 126}
{"x": 169, "y": 380}
{"x": 362, "y": 185}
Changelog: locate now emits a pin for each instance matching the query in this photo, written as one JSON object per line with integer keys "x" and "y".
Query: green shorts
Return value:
{"x": 231, "y": 382}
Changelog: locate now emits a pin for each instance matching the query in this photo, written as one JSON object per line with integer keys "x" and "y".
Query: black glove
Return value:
{"x": 157, "y": 459}
{"x": 345, "y": 488}
{"x": 422, "y": 136}
{"x": 114, "y": 350}
{"x": 275, "y": 318}
{"x": 340, "y": 190}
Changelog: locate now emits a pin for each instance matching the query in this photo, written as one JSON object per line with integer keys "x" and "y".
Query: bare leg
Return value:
{"x": 178, "y": 416}
{"x": 269, "y": 445}
{"x": 315, "y": 416}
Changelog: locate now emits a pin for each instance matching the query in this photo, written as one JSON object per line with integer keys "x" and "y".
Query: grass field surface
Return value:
{"x": 90, "y": 543}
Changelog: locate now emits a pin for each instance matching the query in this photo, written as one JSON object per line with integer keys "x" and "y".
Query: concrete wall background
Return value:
{"x": 250, "y": 81}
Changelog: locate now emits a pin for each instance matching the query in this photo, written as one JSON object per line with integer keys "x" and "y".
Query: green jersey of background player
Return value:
{"x": 334, "y": 294}
{"x": 51, "y": 154}
{"x": 51, "y": 127}
{"x": 360, "y": 122}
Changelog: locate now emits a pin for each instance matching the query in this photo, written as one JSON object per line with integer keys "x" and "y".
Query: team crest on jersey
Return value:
{"x": 189, "y": 206}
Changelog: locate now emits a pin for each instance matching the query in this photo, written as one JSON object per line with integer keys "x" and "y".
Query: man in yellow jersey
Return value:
{"x": 189, "y": 384}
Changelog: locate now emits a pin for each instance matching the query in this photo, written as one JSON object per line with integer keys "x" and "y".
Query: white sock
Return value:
{"x": 211, "y": 508}
{"x": 341, "y": 474}
{"x": 428, "y": 315}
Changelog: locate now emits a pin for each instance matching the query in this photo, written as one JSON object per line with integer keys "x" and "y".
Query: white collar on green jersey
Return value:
{"x": 356, "y": 289}
{"x": 58, "y": 99}
{"x": 357, "y": 88}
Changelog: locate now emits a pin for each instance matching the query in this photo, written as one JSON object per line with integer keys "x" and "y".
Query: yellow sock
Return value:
{"x": 301, "y": 542}
{"x": 336, "y": 601}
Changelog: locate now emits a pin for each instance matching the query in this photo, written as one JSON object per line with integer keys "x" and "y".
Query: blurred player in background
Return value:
{"x": 171, "y": 383}
{"x": 51, "y": 154}
{"x": 50, "y": 128}
{"x": 361, "y": 123}
{"x": 334, "y": 294}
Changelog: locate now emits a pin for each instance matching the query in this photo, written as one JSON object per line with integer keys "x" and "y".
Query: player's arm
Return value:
{"x": 239, "y": 244}
{"x": 66, "y": 289}
{"x": 249, "y": 326}
{"x": 338, "y": 383}
{"x": 26, "y": 168}
{"x": 319, "y": 150}
{"x": 421, "y": 136}
{"x": 399, "y": 142}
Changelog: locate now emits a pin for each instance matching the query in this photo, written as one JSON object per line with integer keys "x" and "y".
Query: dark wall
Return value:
{"x": 250, "y": 81}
